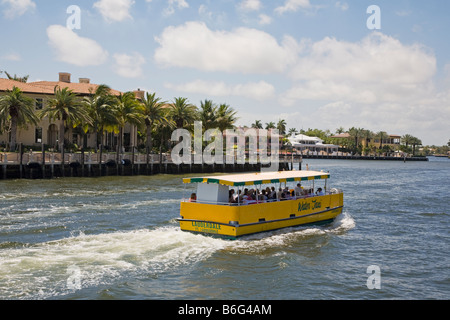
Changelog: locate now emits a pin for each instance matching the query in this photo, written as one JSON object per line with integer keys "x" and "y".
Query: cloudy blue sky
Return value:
{"x": 314, "y": 63}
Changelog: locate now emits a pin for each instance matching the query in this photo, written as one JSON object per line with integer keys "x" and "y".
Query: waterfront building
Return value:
{"x": 46, "y": 132}
{"x": 391, "y": 140}
{"x": 312, "y": 145}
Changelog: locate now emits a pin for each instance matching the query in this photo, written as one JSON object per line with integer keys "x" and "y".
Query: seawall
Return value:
{"x": 48, "y": 171}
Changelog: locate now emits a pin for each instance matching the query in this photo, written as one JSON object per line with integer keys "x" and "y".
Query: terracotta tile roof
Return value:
{"x": 6, "y": 84}
{"x": 341, "y": 135}
{"x": 47, "y": 87}
{"x": 78, "y": 88}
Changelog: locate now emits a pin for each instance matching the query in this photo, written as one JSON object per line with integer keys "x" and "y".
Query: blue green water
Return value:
{"x": 117, "y": 238}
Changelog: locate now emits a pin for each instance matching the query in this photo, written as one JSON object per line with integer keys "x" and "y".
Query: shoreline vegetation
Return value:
{"x": 102, "y": 113}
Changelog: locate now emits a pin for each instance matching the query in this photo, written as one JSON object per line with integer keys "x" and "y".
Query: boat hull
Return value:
{"x": 236, "y": 221}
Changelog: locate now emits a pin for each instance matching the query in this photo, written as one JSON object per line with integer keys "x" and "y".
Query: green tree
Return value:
{"x": 183, "y": 113}
{"x": 355, "y": 135}
{"x": 127, "y": 110}
{"x": 16, "y": 110}
{"x": 340, "y": 130}
{"x": 292, "y": 131}
{"x": 100, "y": 109}
{"x": 407, "y": 140}
{"x": 66, "y": 107}
{"x": 270, "y": 125}
{"x": 367, "y": 135}
{"x": 381, "y": 135}
{"x": 281, "y": 126}
{"x": 165, "y": 125}
{"x": 208, "y": 115}
{"x": 257, "y": 124}
{"x": 153, "y": 113}
{"x": 226, "y": 117}
{"x": 415, "y": 142}
{"x": 17, "y": 78}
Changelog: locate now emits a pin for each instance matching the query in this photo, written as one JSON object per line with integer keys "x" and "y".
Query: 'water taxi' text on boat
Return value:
{"x": 231, "y": 206}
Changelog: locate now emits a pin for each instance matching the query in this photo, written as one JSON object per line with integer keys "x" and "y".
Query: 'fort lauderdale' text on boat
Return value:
{"x": 231, "y": 206}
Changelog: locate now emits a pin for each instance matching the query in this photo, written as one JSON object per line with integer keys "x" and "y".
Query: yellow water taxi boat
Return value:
{"x": 232, "y": 206}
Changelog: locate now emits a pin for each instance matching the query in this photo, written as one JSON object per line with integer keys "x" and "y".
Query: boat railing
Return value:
{"x": 252, "y": 202}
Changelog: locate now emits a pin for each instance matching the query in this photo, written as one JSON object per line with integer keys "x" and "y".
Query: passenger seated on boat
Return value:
{"x": 236, "y": 196}
{"x": 273, "y": 194}
{"x": 262, "y": 196}
{"x": 267, "y": 193}
{"x": 231, "y": 198}
{"x": 288, "y": 195}
{"x": 251, "y": 198}
{"x": 244, "y": 198}
{"x": 279, "y": 194}
{"x": 304, "y": 192}
{"x": 320, "y": 192}
{"x": 193, "y": 198}
{"x": 298, "y": 189}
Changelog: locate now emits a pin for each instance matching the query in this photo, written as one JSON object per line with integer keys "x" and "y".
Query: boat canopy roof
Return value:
{"x": 249, "y": 179}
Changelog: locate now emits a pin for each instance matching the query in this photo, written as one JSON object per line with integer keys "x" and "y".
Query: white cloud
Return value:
{"x": 129, "y": 66}
{"x": 378, "y": 68}
{"x": 73, "y": 49}
{"x": 342, "y": 5}
{"x": 403, "y": 13}
{"x": 12, "y": 57}
{"x": 114, "y": 10}
{"x": 254, "y": 90}
{"x": 377, "y": 83}
{"x": 250, "y": 5}
{"x": 264, "y": 19}
{"x": 203, "y": 11}
{"x": 180, "y": 4}
{"x": 293, "y": 5}
{"x": 242, "y": 50}
{"x": 16, "y": 8}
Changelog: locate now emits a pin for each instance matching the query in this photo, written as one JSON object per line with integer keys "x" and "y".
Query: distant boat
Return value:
{"x": 211, "y": 212}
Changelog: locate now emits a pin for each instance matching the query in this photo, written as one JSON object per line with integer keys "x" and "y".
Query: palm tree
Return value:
{"x": 340, "y": 130}
{"x": 355, "y": 133}
{"x": 415, "y": 142}
{"x": 153, "y": 113}
{"x": 165, "y": 126}
{"x": 183, "y": 113}
{"x": 367, "y": 135}
{"x": 208, "y": 115}
{"x": 226, "y": 117}
{"x": 127, "y": 110}
{"x": 23, "y": 79}
{"x": 281, "y": 126}
{"x": 257, "y": 124}
{"x": 270, "y": 125}
{"x": 66, "y": 108}
{"x": 99, "y": 105}
{"x": 16, "y": 110}
{"x": 292, "y": 131}
{"x": 382, "y": 136}
{"x": 407, "y": 139}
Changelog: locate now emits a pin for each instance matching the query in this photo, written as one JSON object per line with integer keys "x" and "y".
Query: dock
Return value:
{"x": 48, "y": 165}
{"x": 38, "y": 165}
